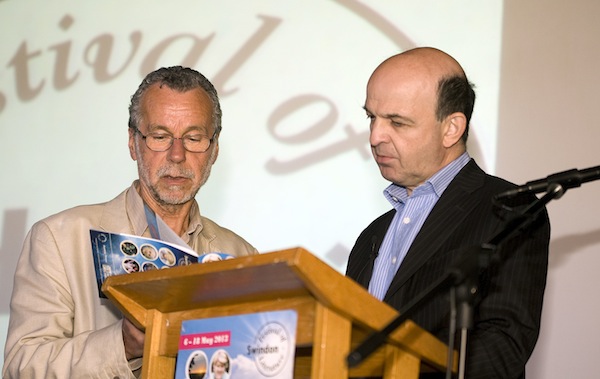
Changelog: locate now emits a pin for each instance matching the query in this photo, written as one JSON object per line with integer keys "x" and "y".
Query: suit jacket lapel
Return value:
{"x": 456, "y": 202}
{"x": 367, "y": 249}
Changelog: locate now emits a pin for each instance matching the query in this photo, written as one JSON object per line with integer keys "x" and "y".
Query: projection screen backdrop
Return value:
{"x": 294, "y": 168}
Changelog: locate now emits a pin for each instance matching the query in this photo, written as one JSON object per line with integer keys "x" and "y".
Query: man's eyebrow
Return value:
{"x": 396, "y": 117}
{"x": 189, "y": 129}
{"x": 391, "y": 116}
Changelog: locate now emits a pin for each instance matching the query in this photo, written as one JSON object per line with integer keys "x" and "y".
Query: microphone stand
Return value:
{"x": 463, "y": 276}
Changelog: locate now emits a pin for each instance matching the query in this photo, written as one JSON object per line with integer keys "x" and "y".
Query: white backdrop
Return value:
{"x": 549, "y": 123}
{"x": 294, "y": 166}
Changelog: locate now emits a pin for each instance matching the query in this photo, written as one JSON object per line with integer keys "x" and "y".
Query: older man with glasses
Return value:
{"x": 59, "y": 326}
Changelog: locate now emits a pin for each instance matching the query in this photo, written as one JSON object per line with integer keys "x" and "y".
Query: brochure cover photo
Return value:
{"x": 250, "y": 346}
{"x": 118, "y": 253}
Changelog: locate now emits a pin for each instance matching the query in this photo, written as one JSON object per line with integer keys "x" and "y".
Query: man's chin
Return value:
{"x": 386, "y": 172}
{"x": 175, "y": 197}
{"x": 174, "y": 201}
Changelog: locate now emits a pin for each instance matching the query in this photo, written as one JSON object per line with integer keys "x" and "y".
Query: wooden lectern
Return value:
{"x": 335, "y": 314}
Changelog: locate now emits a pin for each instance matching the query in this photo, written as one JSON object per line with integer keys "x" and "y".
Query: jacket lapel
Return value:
{"x": 115, "y": 218}
{"x": 368, "y": 249}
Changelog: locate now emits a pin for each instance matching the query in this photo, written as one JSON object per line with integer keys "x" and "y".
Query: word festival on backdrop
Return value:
{"x": 98, "y": 54}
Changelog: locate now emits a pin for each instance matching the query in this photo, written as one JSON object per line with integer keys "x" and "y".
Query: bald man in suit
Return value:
{"x": 419, "y": 104}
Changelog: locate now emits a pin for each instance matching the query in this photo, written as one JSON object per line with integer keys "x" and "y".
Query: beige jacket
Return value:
{"x": 59, "y": 327}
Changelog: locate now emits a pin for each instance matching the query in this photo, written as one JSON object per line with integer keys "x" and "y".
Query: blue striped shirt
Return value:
{"x": 411, "y": 213}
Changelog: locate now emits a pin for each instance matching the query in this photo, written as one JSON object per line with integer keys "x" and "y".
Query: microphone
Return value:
{"x": 567, "y": 179}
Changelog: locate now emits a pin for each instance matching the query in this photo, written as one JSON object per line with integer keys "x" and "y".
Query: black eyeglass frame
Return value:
{"x": 172, "y": 139}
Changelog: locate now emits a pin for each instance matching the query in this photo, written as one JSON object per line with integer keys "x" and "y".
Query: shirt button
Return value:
{"x": 406, "y": 220}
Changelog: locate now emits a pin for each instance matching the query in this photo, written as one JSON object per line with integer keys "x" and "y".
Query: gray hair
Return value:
{"x": 180, "y": 79}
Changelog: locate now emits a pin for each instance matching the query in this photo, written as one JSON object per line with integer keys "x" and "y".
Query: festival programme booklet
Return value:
{"x": 117, "y": 253}
{"x": 250, "y": 346}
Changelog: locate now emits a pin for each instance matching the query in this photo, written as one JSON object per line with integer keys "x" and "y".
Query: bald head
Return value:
{"x": 436, "y": 73}
{"x": 424, "y": 60}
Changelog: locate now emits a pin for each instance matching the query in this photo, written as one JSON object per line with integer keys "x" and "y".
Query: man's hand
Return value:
{"x": 133, "y": 339}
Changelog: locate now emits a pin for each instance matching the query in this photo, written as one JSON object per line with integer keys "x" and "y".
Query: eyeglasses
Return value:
{"x": 194, "y": 143}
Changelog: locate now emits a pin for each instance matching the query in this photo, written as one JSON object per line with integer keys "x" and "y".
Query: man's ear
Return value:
{"x": 216, "y": 151}
{"x": 454, "y": 128}
{"x": 131, "y": 144}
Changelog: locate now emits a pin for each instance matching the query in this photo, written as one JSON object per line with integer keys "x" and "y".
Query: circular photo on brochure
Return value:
{"x": 220, "y": 365}
{"x": 166, "y": 256}
{"x": 130, "y": 265}
{"x": 211, "y": 257}
{"x": 128, "y": 248}
{"x": 149, "y": 266}
{"x": 149, "y": 252}
{"x": 196, "y": 365}
{"x": 184, "y": 261}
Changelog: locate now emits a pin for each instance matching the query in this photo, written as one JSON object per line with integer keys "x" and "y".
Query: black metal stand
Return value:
{"x": 463, "y": 276}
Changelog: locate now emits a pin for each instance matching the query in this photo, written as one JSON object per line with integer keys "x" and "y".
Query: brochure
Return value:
{"x": 117, "y": 253}
{"x": 250, "y": 346}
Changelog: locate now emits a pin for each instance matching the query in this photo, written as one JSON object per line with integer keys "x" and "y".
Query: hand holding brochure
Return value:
{"x": 117, "y": 253}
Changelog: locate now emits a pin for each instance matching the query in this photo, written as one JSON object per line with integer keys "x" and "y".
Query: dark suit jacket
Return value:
{"x": 508, "y": 309}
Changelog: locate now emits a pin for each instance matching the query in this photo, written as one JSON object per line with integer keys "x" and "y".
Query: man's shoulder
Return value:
{"x": 485, "y": 186}
{"x": 85, "y": 212}
{"x": 473, "y": 174}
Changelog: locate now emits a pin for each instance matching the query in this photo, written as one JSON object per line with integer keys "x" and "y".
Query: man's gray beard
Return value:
{"x": 144, "y": 173}
{"x": 167, "y": 197}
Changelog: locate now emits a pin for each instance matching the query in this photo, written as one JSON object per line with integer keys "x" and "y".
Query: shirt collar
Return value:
{"x": 436, "y": 184}
{"x": 441, "y": 179}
